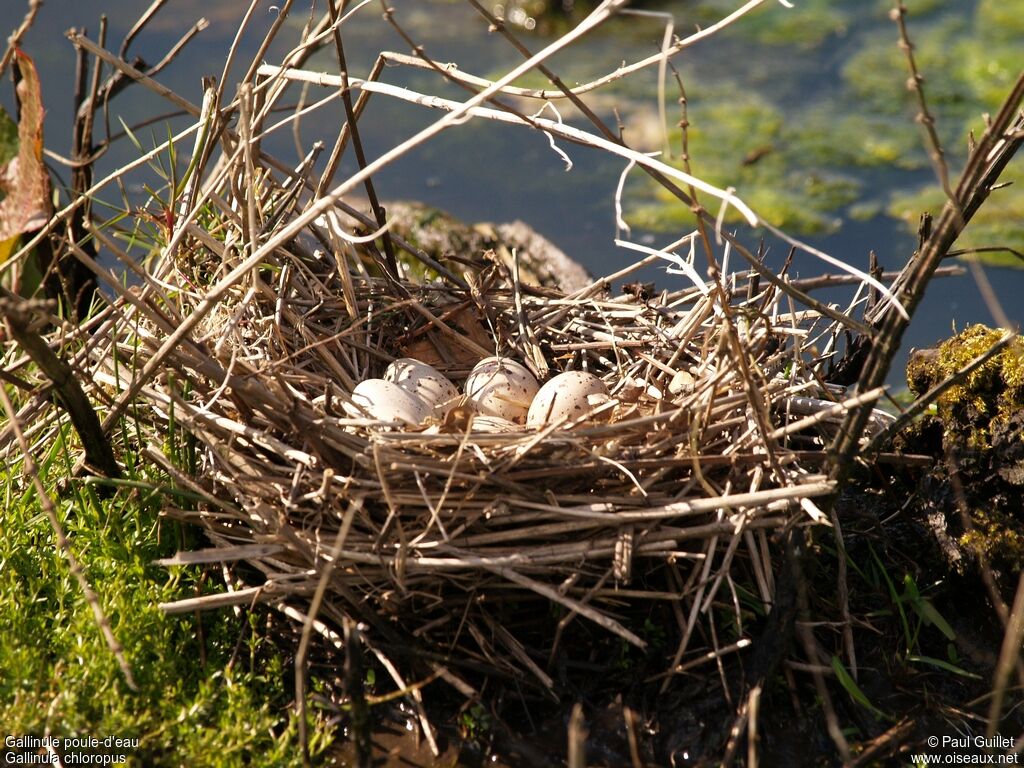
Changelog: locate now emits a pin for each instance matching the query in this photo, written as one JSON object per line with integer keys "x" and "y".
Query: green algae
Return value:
{"x": 829, "y": 135}
{"x": 979, "y": 59}
{"x": 917, "y": 7}
{"x": 818, "y": 147}
{"x": 805, "y": 157}
{"x": 999, "y": 223}
{"x": 741, "y": 140}
{"x": 806, "y": 26}
{"x": 1003, "y": 18}
{"x": 876, "y": 76}
{"x": 864, "y": 211}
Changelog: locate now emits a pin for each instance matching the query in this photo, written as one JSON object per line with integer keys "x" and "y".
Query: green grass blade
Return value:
{"x": 853, "y": 690}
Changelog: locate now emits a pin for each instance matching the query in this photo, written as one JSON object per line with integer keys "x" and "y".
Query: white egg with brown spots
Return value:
{"x": 425, "y": 382}
{"x": 567, "y": 397}
{"x": 386, "y": 401}
{"x": 498, "y": 386}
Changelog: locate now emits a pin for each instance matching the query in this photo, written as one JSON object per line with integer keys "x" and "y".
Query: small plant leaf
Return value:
{"x": 896, "y": 600}
{"x": 854, "y": 691}
{"x": 930, "y": 615}
{"x": 943, "y": 665}
{"x": 951, "y": 653}
{"x": 910, "y": 588}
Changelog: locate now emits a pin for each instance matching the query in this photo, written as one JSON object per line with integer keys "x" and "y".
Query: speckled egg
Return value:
{"x": 425, "y": 382}
{"x": 567, "y": 397}
{"x": 386, "y": 401}
{"x": 498, "y": 386}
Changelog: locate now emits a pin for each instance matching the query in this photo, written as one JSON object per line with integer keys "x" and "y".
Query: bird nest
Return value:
{"x": 474, "y": 550}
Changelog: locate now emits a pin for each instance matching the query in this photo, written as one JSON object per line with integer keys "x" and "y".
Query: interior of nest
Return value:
{"x": 621, "y": 523}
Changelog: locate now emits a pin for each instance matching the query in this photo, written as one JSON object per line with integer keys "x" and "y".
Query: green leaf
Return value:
{"x": 943, "y": 665}
{"x": 854, "y": 691}
{"x": 930, "y": 615}
{"x": 907, "y": 634}
{"x": 910, "y": 588}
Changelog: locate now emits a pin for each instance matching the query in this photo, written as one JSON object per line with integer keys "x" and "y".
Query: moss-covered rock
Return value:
{"x": 976, "y": 429}
{"x": 995, "y": 535}
{"x": 993, "y": 392}
{"x": 463, "y": 247}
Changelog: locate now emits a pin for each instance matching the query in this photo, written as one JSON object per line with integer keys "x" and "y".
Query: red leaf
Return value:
{"x": 27, "y": 204}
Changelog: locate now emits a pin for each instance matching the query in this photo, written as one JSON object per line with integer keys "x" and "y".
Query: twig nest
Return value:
{"x": 386, "y": 401}
{"x": 493, "y": 424}
{"x": 425, "y": 382}
{"x": 567, "y": 397}
{"x": 501, "y": 387}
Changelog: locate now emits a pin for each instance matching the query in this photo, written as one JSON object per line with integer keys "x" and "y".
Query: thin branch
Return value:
{"x": 139, "y": 25}
{"x": 178, "y": 47}
{"x": 390, "y": 264}
{"x": 134, "y": 73}
{"x": 984, "y": 165}
{"x": 924, "y": 115}
{"x": 314, "y": 608}
{"x": 14, "y": 40}
{"x": 19, "y": 316}
{"x": 1009, "y": 656}
{"x": 986, "y": 249}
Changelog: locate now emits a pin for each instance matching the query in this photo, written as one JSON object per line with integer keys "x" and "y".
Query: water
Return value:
{"x": 483, "y": 171}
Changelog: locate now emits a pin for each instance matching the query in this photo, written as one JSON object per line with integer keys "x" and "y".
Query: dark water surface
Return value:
{"x": 494, "y": 172}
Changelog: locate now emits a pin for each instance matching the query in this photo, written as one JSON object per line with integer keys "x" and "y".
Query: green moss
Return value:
{"x": 922, "y": 371}
{"x": 979, "y": 421}
{"x": 994, "y": 391}
{"x": 997, "y": 537}
{"x": 210, "y": 692}
{"x": 961, "y": 350}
